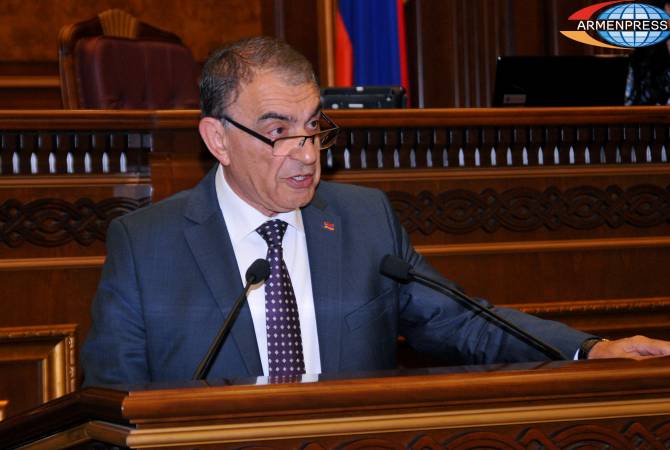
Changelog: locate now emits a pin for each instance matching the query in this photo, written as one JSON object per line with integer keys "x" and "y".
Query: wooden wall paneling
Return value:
{"x": 326, "y": 10}
{"x": 36, "y": 361}
{"x": 29, "y": 85}
{"x": 32, "y": 26}
{"x": 52, "y": 232}
{"x": 297, "y": 22}
{"x": 179, "y": 158}
{"x": 30, "y": 92}
{"x": 453, "y": 47}
{"x": 580, "y": 230}
{"x": 572, "y": 255}
{"x": 426, "y": 35}
{"x": 61, "y": 183}
{"x": 526, "y": 27}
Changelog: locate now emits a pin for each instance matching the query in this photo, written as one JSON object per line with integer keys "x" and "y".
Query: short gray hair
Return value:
{"x": 229, "y": 67}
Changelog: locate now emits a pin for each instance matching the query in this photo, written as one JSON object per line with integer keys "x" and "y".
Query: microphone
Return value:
{"x": 399, "y": 269}
{"x": 258, "y": 271}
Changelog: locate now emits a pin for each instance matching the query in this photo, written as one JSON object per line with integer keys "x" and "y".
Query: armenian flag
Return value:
{"x": 370, "y": 46}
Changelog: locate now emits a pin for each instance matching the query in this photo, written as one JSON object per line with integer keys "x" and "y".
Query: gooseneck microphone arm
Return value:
{"x": 258, "y": 271}
{"x": 397, "y": 268}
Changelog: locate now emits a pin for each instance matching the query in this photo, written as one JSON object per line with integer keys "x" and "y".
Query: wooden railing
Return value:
{"x": 64, "y": 142}
{"x": 485, "y": 137}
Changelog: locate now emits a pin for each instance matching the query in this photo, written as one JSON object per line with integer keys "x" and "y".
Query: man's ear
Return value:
{"x": 215, "y": 137}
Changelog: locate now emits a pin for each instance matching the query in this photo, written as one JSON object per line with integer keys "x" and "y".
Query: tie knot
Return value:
{"x": 273, "y": 232}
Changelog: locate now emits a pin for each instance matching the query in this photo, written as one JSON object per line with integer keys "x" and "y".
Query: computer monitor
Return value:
{"x": 363, "y": 97}
{"x": 560, "y": 80}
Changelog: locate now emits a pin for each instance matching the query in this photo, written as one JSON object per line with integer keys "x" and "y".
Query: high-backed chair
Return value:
{"x": 115, "y": 61}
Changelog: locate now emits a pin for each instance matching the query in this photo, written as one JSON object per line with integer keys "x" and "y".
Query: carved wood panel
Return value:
{"x": 614, "y": 434}
{"x": 524, "y": 209}
{"x": 51, "y": 222}
{"x": 38, "y": 364}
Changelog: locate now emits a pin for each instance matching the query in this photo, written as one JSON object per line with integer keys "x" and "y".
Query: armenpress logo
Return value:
{"x": 619, "y": 24}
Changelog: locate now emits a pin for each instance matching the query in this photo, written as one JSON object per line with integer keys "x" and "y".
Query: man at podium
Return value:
{"x": 174, "y": 269}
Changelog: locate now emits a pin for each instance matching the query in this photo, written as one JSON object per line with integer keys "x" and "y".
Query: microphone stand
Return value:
{"x": 206, "y": 364}
{"x": 545, "y": 348}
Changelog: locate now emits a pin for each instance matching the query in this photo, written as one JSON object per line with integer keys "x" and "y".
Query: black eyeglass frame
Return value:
{"x": 272, "y": 143}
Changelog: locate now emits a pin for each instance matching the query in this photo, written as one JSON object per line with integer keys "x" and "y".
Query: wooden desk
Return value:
{"x": 596, "y": 404}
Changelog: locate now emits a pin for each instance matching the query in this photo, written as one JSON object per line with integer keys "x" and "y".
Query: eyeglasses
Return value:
{"x": 283, "y": 146}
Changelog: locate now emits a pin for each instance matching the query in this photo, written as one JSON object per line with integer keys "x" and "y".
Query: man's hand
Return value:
{"x": 636, "y": 347}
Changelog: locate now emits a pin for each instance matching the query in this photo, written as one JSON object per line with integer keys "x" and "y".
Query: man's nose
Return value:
{"x": 307, "y": 152}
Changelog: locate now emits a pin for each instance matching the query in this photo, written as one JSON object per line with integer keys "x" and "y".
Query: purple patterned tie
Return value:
{"x": 281, "y": 310}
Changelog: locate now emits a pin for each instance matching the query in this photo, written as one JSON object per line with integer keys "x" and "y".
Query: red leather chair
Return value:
{"x": 115, "y": 61}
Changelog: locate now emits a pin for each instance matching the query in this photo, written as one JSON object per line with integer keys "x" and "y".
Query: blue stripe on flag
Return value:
{"x": 373, "y": 29}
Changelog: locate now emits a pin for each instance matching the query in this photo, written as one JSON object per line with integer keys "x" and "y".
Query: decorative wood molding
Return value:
{"x": 632, "y": 435}
{"x": 79, "y": 181}
{"x": 483, "y": 174}
{"x": 612, "y": 318}
{"x": 51, "y": 222}
{"x": 525, "y": 209}
{"x": 118, "y": 23}
{"x": 499, "y": 116}
{"x": 326, "y": 12}
{"x": 72, "y": 262}
{"x": 543, "y": 246}
{"x": 614, "y": 399}
{"x": 608, "y": 306}
{"x": 398, "y": 423}
{"x": 51, "y": 348}
{"x": 426, "y": 117}
{"x": 29, "y": 82}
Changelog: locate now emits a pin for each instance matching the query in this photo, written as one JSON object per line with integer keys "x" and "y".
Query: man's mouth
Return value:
{"x": 300, "y": 181}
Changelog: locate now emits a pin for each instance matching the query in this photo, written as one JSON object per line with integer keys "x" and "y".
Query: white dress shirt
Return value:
{"x": 242, "y": 220}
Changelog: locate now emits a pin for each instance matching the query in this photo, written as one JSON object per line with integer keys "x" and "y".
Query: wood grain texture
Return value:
{"x": 38, "y": 364}
{"x": 453, "y": 45}
{"x": 33, "y": 25}
{"x": 624, "y": 403}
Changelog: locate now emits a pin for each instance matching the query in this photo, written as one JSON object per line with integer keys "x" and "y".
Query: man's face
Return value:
{"x": 273, "y": 108}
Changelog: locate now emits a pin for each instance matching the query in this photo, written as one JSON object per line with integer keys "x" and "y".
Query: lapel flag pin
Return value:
{"x": 330, "y": 226}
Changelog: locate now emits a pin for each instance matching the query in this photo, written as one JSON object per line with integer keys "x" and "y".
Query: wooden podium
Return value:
{"x": 618, "y": 404}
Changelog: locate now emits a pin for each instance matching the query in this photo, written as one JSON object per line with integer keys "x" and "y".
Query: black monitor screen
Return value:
{"x": 560, "y": 80}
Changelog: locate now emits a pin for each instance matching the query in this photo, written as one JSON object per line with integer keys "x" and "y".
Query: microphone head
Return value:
{"x": 258, "y": 271}
{"x": 395, "y": 267}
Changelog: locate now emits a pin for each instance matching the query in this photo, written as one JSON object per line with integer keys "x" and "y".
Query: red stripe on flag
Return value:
{"x": 402, "y": 47}
{"x": 344, "y": 54}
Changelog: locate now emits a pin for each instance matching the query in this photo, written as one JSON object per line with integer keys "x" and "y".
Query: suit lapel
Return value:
{"x": 208, "y": 239}
{"x": 324, "y": 233}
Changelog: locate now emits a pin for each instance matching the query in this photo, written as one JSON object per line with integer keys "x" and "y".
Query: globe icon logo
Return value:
{"x": 633, "y": 38}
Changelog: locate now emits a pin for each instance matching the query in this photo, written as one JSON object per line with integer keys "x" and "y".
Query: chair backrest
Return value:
{"x": 115, "y": 61}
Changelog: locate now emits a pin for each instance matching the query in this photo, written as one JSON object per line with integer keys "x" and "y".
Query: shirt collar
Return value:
{"x": 241, "y": 218}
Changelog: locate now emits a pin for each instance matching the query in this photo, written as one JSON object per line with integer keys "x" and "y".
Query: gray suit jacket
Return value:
{"x": 171, "y": 277}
